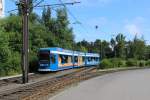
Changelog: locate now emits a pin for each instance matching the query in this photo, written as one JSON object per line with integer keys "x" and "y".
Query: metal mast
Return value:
{"x": 25, "y": 67}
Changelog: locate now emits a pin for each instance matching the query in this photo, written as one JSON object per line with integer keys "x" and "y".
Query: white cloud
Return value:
{"x": 132, "y": 29}
{"x": 137, "y": 20}
{"x": 134, "y": 26}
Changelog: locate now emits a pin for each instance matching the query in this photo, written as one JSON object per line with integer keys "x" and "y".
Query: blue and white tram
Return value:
{"x": 55, "y": 59}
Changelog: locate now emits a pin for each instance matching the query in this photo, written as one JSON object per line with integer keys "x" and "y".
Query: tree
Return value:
{"x": 147, "y": 52}
{"x": 63, "y": 33}
{"x": 7, "y": 63}
{"x": 97, "y": 46}
{"x": 13, "y": 31}
{"x": 19, "y": 5}
{"x": 30, "y": 6}
{"x": 113, "y": 45}
{"x": 120, "y": 47}
{"x": 106, "y": 50}
{"x": 46, "y": 16}
{"x": 130, "y": 49}
{"x": 139, "y": 48}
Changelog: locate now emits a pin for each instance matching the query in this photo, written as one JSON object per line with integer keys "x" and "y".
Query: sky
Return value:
{"x": 129, "y": 17}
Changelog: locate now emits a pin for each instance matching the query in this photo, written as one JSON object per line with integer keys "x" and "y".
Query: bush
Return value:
{"x": 105, "y": 63}
{"x": 117, "y": 62}
{"x": 2, "y": 71}
{"x": 148, "y": 62}
{"x": 33, "y": 63}
{"x": 11, "y": 66}
{"x": 122, "y": 63}
{"x": 112, "y": 63}
{"x": 141, "y": 63}
{"x": 131, "y": 62}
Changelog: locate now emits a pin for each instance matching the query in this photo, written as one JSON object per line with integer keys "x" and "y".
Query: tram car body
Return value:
{"x": 55, "y": 59}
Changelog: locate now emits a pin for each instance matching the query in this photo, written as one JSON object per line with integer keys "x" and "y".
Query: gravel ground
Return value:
{"x": 124, "y": 85}
{"x": 37, "y": 79}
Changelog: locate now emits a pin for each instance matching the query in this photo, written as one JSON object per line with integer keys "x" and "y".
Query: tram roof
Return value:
{"x": 58, "y": 50}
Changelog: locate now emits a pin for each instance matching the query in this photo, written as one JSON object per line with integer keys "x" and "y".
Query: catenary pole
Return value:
{"x": 25, "y": 67}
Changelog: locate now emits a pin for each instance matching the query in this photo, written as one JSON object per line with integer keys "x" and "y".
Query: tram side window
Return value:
{"x": 96, "y": 58}
{"x": 75, "y": 59}
{"x": 89, "y": 59}
{"x": 92, "y": 58}
{"x": 83, "y": 59}
{"x": 53, "y": 58}
{"x": 72, "y": 59}
{"x": 69, "y": 59}
{"x": 64, "y": 59}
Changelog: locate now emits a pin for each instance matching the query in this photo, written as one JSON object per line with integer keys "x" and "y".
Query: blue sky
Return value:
{"x": 129, "y": 17}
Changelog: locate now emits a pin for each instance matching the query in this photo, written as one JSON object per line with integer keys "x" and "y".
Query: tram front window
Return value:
{"x": 44, "y": 56}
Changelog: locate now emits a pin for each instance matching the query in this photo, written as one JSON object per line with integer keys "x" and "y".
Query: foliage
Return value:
{"x": 141, "y": 63}
{"x": 132, "y": 62}
{"x": 148, "y": 62}
{"x": 120, "y": 39}
{"x": 136, "y": 49}
{"x": 118, "y": 62}
{"x": 112, "y": 63}
{"x": 105, "y": 63}
{"x": 9, "y": 60}
{"x": 20, "y": 7}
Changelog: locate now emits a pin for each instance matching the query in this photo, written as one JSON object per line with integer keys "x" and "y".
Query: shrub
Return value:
{"x": 11, "y": 66}
{"x": 141, "y": 63}
{"x": 117, "y": 62}
{"x": 131, "y": 62}
{"x": 33, "y": 63}
{"x": 2, "y": 71}
{"x": 122, "y": 63}
{"x": 148, "y": 62}
{"x": 105, "y": 63}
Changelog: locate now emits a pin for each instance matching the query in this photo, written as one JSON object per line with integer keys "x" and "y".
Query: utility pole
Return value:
{"x": 25, "y": 65}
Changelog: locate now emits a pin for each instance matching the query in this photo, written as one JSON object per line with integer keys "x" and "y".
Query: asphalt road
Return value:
{"x": 126, "y": 85}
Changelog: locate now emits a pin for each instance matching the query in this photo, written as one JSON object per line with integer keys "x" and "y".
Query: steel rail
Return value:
{"x": 47, "y": 86}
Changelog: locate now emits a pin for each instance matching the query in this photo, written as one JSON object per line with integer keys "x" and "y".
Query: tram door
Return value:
{"x": 53, "y": 63}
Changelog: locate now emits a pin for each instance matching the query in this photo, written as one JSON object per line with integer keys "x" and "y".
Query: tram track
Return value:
{"x": 32, "y": 77}
{"x": 44, "y": 88}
